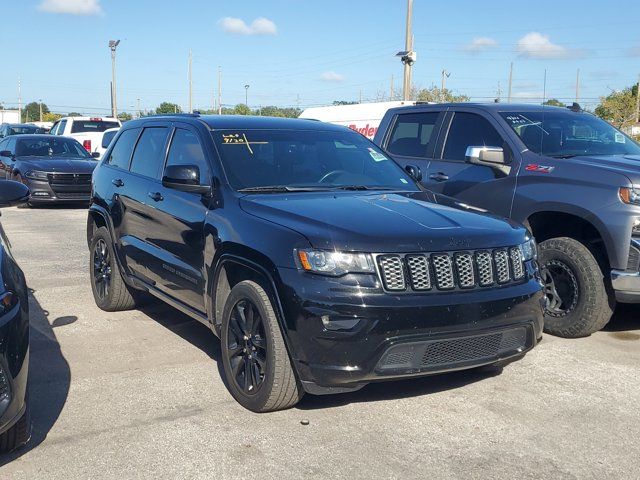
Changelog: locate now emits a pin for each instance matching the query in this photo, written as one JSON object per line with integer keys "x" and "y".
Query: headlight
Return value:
{"x": 334, "y": 263}
{"x": 529, "y": 250}
{"x": 36, "y": 175}
{"x": 8, "y": 300}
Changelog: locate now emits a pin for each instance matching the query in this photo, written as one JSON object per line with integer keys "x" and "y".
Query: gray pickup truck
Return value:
{"x": 571, "y": 178}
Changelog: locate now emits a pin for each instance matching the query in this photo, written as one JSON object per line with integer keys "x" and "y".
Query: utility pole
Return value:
{"x": 246, "y": 95}
{"x": 219, "y": 91}
{"x": 510, "y": 82}
{"x": 19, "y": 99}
{"x": 391, "y": 92}
{"x": 544, "y": 87}
{"x": 443, "y": 83}
{"x": 360, "y": 98}
{"x": 113, "y": 44}
{"x": 40, "y": 100}
{"x": 638, "y": 100}
{"x": 190, "y": 84}
{"x": 498, "y": 93}
{"x": 138, "y": 105}
{"x": 408, "y": 56}
{"x": 577, "y": 85}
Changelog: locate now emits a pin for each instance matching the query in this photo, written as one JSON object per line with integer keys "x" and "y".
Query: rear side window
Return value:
{"x": 412, "y": 134}
{"x": 82, "y": 126}
{"x": 469, "y": 130}
{"x": 107, "y": 137}
{"x": 121, "y": 153}
{"x": 149, "y": 154}
{"x": 186, "y": 150}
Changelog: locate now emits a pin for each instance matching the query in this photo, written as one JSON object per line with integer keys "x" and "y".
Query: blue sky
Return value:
{"x": 308, "y": 53}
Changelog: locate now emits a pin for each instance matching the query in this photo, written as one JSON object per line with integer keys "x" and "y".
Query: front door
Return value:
{"x": 450, "y": 173}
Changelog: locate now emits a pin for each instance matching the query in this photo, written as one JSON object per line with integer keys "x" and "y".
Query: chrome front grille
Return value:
{"x": 448, "y": 271}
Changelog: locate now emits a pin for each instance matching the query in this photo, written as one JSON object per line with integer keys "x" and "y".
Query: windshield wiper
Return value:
{"x": 280, "y": 188}
{"x": 360, "y": 187}
{"x": 564, "y": 155}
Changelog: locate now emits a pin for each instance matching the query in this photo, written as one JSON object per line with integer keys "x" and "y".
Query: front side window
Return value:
{"x": 563, "y": 134}
{"x": 149, "y": 153}
{"x": 322, "y": 160}
{"x": 469, "y": 130}
{"x": 48, "y": 146}
{"x": 186, "y": 150}
{"x": 412, "y": 134}
{"x": 121, "y": 152}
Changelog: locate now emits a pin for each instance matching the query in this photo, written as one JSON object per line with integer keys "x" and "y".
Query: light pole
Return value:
{"x": 113, "y": 44}
{"x": 40, "y": 100}
{"x": 408, "y": 56}
{"x": 246, "y": 95}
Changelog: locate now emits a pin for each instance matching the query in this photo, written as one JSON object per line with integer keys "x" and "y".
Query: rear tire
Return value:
{"x": 110, "y": 292}
{"x": 18, "y": 435}
{"x": 577, "y": 300}
{"x": 256, "y": 363}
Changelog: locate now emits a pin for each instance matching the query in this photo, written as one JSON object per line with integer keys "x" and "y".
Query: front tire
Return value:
{"x": 577, "y": 300}
{"x": 18, "y": 435}
{"x": 110, "y": 292}
{"x": 256, "y": 363}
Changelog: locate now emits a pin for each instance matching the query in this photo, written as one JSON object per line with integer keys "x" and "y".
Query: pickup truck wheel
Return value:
{"x": 18, "y": 435}
{"x": 109, "y": 290}
{"x": 257, "y": 366}
{"x": 577, "y": 300}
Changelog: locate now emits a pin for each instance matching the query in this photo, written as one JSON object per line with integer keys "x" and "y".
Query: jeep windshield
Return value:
{"x": 565, "y": 134}
{"x": 306, "y": 160}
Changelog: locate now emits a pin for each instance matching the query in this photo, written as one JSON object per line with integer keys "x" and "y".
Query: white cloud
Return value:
{"x": 480, "y": 44}
{"x": 331, "y": 76}
{"x": 72, "y": 7}
{"x": 260, "y": 26}
{"x": 537, "y": 45}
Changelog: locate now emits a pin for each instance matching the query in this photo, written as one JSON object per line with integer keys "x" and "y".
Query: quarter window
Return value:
{"x": 149, "y": 153}
{"x": 469, "y": 130}
{"x": 186, "y": 150}
{"x": 412, "y": 134}
{"x": 121, "y": 152}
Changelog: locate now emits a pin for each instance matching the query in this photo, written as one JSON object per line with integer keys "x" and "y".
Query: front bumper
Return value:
{"x": 342, "y": 337}
{"x": 43, "y": 192}
{"x": 626, "y": 286}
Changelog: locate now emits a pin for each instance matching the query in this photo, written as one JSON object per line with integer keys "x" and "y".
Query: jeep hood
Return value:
{"x": 384, "y": 222}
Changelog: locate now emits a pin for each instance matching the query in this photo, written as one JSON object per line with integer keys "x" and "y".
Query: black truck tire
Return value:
{"x": 577, "y": 300}
{"x": 118, "y": 295}
{"x": 277, "y": 387}
{"x": 18, "y": 435}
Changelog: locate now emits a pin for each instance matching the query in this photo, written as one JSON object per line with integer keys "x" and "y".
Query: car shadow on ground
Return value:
{"x": 626, "y": 317}
{"x": 200, "y": 336}
{"x": 49, "y": 375}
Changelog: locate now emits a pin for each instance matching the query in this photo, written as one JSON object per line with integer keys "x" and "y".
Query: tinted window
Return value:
{"x": 121, "y": 152}
{"x": 412, "y": 134}
{"x": 186, "y": 150}
{"x": 24, "y": 129}
{"x": 562, "y": 133}
{"x": 469, "y": 130}
{"x": 324, "y": 160}
{"x": 11, "y": 145}
{"x": 61, "y": 127}
{"x": 149, "y": 154}
{"x": 80, "y": 126}
{"x": 49, "y": 146}
{"x": 107, "y": 137}
{"x": 54, "y": 128}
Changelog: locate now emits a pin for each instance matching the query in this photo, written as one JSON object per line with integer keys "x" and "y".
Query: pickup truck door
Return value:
{"x": 450, "y": 174}
{"x": 176, "y": 229}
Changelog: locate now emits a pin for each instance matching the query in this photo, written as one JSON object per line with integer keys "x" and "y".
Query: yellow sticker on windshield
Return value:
{"x": 240, "y": 139}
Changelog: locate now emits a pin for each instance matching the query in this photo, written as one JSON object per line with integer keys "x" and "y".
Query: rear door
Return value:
{"x": 449, "y": 172}
{"x": 177, "y": 228}
{"x": 411, "y": 140}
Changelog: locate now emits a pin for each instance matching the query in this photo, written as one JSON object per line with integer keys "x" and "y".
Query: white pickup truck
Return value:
{"x": 86, "y": 130}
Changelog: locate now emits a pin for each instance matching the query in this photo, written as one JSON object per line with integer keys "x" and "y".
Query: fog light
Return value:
{"x": 39, "y": 194}
{"x": 339, "y": 323}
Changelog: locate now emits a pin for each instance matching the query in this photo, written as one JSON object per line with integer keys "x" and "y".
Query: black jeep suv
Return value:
{"x": 319, "y": 262}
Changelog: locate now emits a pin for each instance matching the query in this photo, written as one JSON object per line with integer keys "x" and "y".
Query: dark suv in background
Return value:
{"x": 571, "y": 178}
{"x": 320, "y": 263}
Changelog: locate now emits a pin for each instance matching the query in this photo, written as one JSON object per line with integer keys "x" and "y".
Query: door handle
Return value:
{"x": 155, "y": 196}
{"x": 439, "y": 177}
{"x": 117, "y": 182}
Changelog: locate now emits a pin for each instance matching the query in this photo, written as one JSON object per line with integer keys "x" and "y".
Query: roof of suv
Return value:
{"x": 226, "y": 122}
{"x": 501, "y": 107}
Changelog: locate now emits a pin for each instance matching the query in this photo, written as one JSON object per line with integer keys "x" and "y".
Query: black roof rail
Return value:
{"x": 575, "y": 107}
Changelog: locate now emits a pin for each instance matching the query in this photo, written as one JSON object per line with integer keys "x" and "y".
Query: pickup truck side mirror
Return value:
{"x": 95, "y": 154}
{"x": 414, "y": 172}
{"x": 13, "y": 193}
{"x": 185, "y": 178}
{"x": 6, "y": 153}
{"x": 489, "y": 157}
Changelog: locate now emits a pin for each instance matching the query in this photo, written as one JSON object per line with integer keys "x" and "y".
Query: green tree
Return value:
{"x": 619, "y": 108}
{"x": 168, "y": 107}
{"x": 125, "y": 116}
{"x": 242, "y": 109}
{"x": 435, "y": 94}
{"x": 272, "y": 111}
{"x": 74, "y": 114}
{"x": 51, "y": 117}
{"x": 31, "y": 111}
{"x": 554, "y": 102}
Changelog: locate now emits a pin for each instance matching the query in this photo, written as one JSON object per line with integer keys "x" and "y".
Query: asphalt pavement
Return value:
{"x": 139, "y": 394}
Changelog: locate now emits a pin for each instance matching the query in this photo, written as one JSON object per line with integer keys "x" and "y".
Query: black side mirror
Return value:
{"x": 95, "y": 154}
{"x": 185, "y": 178}
{"x": 414, "y": 172}
{"x": 6, "y": 153}
{"x": 13, "y": 193}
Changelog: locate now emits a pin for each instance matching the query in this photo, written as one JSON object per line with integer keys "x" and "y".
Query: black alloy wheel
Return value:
{"x": 247, "y": 347}
{"x": 101, "y": 269}
{"x": 560, "y": 287}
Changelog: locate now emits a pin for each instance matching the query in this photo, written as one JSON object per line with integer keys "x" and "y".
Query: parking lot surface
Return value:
{"x": 139, "y": 395}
